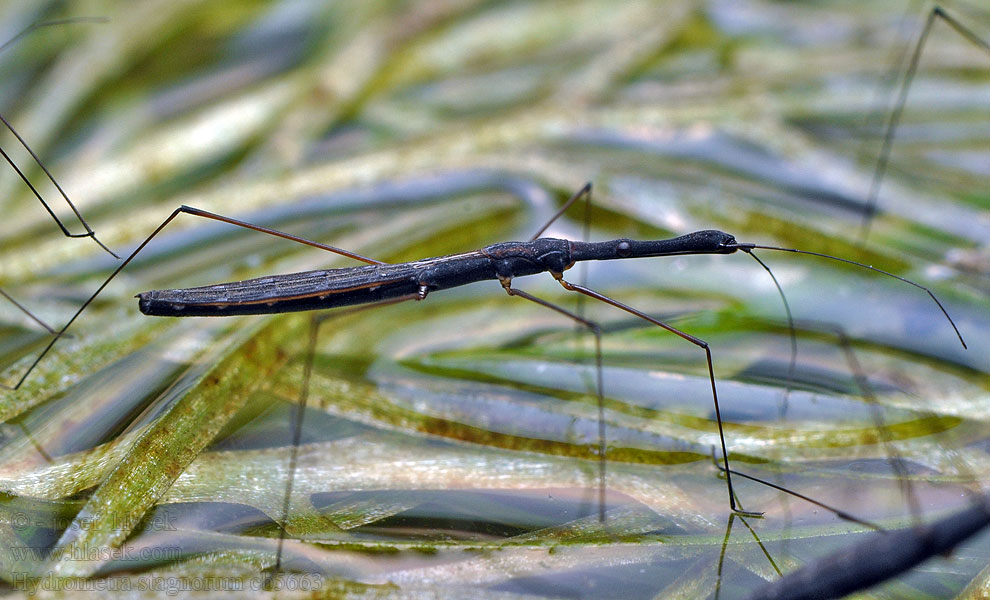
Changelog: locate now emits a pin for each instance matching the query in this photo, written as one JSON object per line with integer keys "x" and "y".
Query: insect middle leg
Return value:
{"x": 585, "y": 193}
{"x": 599, "y": 387}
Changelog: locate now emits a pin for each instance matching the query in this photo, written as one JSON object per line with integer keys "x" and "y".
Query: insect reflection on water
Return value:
{"x": 382, "y": 379}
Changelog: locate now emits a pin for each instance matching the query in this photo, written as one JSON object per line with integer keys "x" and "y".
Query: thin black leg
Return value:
{"x": 27, "y": 312}
{"x": 895, "y": 115}
{"x": 597, "y": 331}
{"x": 65, "y": 231}
{"x": 196, "y": 213}
{"x": 584, "y": 192}
{"x": 690, "y": 338}
{"x": 869, "y": 396}
{"x": 299, "y": 415}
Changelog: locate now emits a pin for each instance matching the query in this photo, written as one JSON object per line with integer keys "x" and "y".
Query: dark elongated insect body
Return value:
{"x": 331, "y": 288}
{"x": 379, "y": 283}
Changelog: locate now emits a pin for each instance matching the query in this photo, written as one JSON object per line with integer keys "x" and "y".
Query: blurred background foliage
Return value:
{"x": 448, "y": 446}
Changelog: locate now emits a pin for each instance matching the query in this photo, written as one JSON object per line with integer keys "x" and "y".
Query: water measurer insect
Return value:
{"x": 453, "y": 442}
{"x": 380, "y": 282}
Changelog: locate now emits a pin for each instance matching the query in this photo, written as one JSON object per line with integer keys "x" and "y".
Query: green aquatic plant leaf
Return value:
{"x": 450, "y": 447}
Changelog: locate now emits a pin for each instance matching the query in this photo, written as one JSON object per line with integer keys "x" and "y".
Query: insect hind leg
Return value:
{"x": 196, "y": 212}
{"x": 584, "y": 192}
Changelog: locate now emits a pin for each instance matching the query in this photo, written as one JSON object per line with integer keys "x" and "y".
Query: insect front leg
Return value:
{"x": 711, "y": 372}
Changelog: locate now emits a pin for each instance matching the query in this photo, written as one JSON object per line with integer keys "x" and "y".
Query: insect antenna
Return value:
{"x": 861, "y": 381}
{"x": 790, "y": 327}
{"x": 748, "y": 248}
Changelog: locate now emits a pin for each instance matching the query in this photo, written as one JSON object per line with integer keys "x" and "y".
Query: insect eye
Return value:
{"x": 623, "y": 250}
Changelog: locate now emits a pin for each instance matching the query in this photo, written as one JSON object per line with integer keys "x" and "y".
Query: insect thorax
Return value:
{"x": 515, "y": 259}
